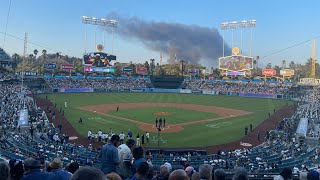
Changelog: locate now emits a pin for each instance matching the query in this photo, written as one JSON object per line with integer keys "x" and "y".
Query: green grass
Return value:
{"x": 177, "y": 115}
{"x": 192, "y": 135}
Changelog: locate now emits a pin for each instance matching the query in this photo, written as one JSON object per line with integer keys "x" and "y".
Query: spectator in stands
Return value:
{"x": 85, "y": 173}
{"x": 57, "y": 172}
{"x": 313, "y": 175}
{"x": 32, "y": 170}
{"x": 109, "y": 155}
{"x": 16, "y": 169}
{"x": 141, "y": 171}
{"x": 125, "y": 157}
{"x": 219, "y": 174}
{"x": 240, "y": 174}
{"x": 179, "y": 174}
{"x": 164, "y": 173}
{"x": 138, "y": 155}
{"x": 205, "y": 171}
{"x": 4, "y": 170}
{"x": 285, "y": 174}
{"x": 113, "y": 176}
{"x": 72, "y": 167}
{"x": 190, "y": 170}
{"x": 195, "y": 176}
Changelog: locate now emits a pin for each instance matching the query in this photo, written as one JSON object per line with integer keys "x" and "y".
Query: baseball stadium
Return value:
{"x": 153, "y": 99}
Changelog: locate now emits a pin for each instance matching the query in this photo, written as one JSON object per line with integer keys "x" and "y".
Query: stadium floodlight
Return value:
{"x": 238, "y": 25}
{"x": 99, "y": 22}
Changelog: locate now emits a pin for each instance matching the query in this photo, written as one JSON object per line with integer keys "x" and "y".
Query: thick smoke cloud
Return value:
{"x": 189, "y": 42}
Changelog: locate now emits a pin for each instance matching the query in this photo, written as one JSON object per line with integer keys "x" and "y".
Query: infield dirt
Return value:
{"x": 224, "y": 113}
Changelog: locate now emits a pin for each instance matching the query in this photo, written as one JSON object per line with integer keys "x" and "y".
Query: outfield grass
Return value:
{"x": 176, "y": 115}
{"x": 203, "y": 134}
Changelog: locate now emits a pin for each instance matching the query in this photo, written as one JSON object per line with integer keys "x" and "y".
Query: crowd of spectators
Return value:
{"x": 249, "y": 87}
{"x": 6, "y": 75}
{"x": 111, "y": 83}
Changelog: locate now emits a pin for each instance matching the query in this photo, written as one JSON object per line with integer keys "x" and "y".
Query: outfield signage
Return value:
{"x": 50, "y": 66}
{"x": 185, "y": 91}
{"x": 310, "y": 81}
{"x": 193, "y": 71}
{"x": 98, "y": 69}
{"x": 141, "y": 70}
{"x": 287, "y": 72}
{"x": 196, "y": 91}
{"x": 269, "y": 72}
{"x": 127, "y": 69}
{"x": 28, "y": 73}
{"x": 67, "y": 67}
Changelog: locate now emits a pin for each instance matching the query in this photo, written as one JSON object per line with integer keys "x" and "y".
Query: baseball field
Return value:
{"x": 191, "y": 120}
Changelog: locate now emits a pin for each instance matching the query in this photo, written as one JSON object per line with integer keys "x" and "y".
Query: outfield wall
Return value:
{"x": 182, "y": 91}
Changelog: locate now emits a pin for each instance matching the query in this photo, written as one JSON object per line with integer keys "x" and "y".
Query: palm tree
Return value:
{"x": 30, "y": 58}
{"x": 269, "y": 66}
{"x": 35, "y": 52}
{"x": 16, "y": 60}
{"x": 44, "y": 53}
{"x": 283, "y": 64}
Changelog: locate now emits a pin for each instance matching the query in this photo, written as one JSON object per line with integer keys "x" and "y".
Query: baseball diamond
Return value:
{"x": 198, "y": 113}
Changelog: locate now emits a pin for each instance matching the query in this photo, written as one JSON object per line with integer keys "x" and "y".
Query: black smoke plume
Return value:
{"x": 191, "y": 43}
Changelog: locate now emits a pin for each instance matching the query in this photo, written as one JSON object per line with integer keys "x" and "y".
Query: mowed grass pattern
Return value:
{"x": 193, "y": 135}
{"x": 176, "y": 115}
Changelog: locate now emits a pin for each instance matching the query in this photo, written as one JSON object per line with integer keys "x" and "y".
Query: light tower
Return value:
{"x": 313, "y": 62}
{"x": 237, "y": 25}
{"x": 98, "y": 22}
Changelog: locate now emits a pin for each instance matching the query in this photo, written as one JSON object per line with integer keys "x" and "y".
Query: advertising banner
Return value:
{"x": 50, "y": 66}
{"x": 99, "y": 59}
{"x": 269, "y": 72}
{"x": 28, "y": 73}
{"x": 186, "y": 91}
{"x": 67, "y": 67}
{"x": 208, "y": 92}
{"x": 98, "y": 69}
{"x": 258, "y": 95}
{"x": 287, "y": 72}
{"x": 193, "y": 71}
{"x": 196, "y": 91}
{"x": 127, "y": 69}
{"x": 136, "y": 90}
{"x": 141, "y": 70}
{"x": 233, "y": 73}
{"x": 76, "y": 90}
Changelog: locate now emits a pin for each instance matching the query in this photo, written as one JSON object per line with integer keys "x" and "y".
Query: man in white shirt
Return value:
{"x": 99, "y": 135}
{"x": 122, "y": 136}
{"x": 104, "y": 137}
{"x": 125, "y": 157}
{"x": 147, "y": 137}
{"x": 89, "y": 135}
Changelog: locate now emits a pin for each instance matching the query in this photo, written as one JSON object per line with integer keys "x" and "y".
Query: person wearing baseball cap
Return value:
{"x": 33, "y": 171}
{"x": 125, "y": 157}
{"x": 57, "y": 172}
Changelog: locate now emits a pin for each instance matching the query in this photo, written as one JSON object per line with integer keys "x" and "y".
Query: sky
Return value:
{"x": 56, "y": 25}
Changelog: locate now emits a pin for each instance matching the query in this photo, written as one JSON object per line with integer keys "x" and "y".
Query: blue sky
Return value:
{"x": 57, "y": 24}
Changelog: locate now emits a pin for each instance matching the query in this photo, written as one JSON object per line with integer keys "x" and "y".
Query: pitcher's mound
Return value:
{"x": 162, "y": 114}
